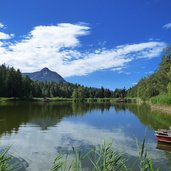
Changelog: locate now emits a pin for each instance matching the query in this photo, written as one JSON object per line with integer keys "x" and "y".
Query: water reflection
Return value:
{"x": 152, "y": 119}
{"x": 163, "y": 146}
{"x": 45, "y": 115}
{"x": 38, "y": 131}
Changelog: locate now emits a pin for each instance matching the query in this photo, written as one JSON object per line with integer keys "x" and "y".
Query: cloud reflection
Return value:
{"x": 39, "y": 148}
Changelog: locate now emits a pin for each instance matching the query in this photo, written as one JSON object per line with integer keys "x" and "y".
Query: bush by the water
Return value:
{"x": 164, "y": 99}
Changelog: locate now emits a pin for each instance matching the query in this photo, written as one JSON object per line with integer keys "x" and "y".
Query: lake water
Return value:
{"x": 39, "y": 131}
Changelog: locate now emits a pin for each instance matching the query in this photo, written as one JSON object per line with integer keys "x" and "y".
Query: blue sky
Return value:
{"x": 110, "y": 43}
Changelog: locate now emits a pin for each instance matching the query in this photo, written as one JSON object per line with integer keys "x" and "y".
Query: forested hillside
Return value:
{"x": 157, "y": 83}
{"x": 13, "y": 84}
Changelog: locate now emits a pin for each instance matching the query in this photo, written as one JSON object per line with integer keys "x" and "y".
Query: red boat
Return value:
{"x": 163, "y": 135}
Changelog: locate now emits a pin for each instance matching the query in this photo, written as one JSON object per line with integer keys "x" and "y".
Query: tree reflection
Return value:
{"x": 43, "y": 115}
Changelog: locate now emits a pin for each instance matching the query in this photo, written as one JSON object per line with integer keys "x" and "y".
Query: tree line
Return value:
{"x": 157, "y": 83}
{"x": 13, "y": 84}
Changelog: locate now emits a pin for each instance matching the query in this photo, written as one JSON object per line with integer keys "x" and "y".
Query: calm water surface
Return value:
{"x": 39, "y": 131}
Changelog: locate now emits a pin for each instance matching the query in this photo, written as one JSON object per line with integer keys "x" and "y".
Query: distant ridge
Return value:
{"x": 45, "y": 75}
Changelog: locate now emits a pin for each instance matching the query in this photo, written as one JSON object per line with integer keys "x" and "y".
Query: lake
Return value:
{"x": 40, "y": 131}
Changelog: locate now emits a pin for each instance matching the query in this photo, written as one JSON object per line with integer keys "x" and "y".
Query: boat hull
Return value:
{"x": 163, "y": 138}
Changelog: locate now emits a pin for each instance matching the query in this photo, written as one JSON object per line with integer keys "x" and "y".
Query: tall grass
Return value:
{"x": 145, "y": 163}
{"x": 107, "y": 159}
{"x": 104, "y": 158}
{"x": 5, "y": 161}
{"x": 163, "y": 99}
{"x": 101, "y": 158}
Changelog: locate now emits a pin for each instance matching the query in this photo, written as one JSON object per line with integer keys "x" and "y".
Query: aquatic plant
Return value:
{"x": 104, "y": 158}
{"x": 145, "y": 163}
{"x": 5, "y": 161}
{"x": 100, "y": 158}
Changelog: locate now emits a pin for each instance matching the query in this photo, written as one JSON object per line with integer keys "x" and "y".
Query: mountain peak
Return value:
{"x": 45, "y": 69}
{"x": 45, "y": 74}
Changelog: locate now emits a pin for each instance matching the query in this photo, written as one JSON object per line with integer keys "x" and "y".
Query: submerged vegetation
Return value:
{"x": 101, "y": 158}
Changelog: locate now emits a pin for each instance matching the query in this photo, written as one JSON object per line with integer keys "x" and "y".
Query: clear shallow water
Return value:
{"x": 38, "y": 131}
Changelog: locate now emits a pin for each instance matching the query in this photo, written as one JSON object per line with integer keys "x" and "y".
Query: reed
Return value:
{"x": 144, "y": 163}
{"x": 5, "y": 161}
{"x": 104, "y": 158}
{"x": 100, "y": 158}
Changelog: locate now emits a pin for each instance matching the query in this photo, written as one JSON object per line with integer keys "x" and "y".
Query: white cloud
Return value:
{"x": 56, "y": 47}
{"x": 167, "y": 26}
{"x": 134, "y": 83}
{"x": 117, "y": 69}
{"x": 1, "y": 25}
{"x": 124, "y": 72}
{"x": 149, "y": 72}
{"x": 5, "y": 36}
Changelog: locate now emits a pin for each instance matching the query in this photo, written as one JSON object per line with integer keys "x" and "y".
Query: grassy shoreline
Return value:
{"x": 161, "y": 102}
{"x": 156, "y": 103}
{"x": 60, "y": 99}
{"x": 163, "y": 99}
{"x": 36, "y": 99}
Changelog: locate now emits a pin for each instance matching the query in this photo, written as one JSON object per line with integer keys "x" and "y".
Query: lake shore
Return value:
{"x": 12, "y": 99}
{"x": 56, "y": 99}
{"x": 162, "y": 108}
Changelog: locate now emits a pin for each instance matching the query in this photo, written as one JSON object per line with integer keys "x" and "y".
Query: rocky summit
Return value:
{"x": 45, "y": 75}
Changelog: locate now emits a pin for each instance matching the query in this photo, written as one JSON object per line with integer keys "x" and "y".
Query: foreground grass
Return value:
{"x": 102, "y": 158}
{"x": 5, "y": 161}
